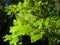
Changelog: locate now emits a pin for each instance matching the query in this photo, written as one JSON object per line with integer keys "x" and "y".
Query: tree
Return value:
{"x": 34, "y": 18}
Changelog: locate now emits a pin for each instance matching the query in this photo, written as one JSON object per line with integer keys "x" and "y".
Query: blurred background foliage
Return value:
{"x": 49, "y": 11}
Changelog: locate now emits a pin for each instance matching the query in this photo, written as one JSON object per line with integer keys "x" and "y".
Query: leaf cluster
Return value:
{"x": 32, "y": 19}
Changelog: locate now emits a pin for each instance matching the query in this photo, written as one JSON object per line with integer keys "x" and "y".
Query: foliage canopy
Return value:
{"x": 34, "y": 18}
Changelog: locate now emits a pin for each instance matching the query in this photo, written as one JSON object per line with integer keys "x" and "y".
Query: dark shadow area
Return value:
{"x": 5, "y": 23}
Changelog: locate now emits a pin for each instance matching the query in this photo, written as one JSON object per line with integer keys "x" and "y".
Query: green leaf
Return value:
{"x": 14, "y": 41}
{"x": 17, "y": 22}
{"x": 57, "y": 23}
{"x": 36, "y": 37}
{"x": 46, "y": 22}
{"x": 9, "y": 13}
{"x": 38, "y": 23}
{"x": 26, "y": 2}
{"x": 7, "y": 37}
